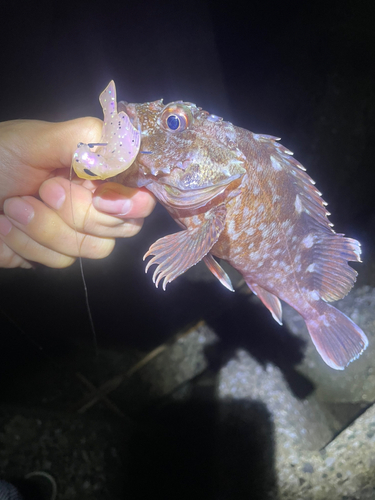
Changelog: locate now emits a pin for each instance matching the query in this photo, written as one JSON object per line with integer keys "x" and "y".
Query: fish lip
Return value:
{"x": 129, "y": 109}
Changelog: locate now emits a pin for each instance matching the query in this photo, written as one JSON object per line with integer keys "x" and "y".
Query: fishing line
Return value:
{"x": 88, "y": 309}
{"x": 123, "y": 141}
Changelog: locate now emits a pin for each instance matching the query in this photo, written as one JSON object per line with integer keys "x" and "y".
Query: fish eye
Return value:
{"x": 173, "y": 122}
{"x": 175, "y": 118}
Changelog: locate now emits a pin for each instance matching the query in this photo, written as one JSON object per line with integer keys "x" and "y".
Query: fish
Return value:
{"x": 117, "y": 148}
{"x": 243, "y": 198}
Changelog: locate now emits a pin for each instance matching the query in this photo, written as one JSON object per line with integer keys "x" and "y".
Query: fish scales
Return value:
{"x": 243, "y": 198}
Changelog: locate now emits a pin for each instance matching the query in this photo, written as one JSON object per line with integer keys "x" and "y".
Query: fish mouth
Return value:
{"x": 129, "y": 109}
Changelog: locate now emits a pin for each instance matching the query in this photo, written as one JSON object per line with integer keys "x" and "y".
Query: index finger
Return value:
{"x": 74, "y": 204}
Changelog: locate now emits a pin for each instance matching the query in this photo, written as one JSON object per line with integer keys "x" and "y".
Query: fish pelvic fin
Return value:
{"x": 176, "y": 253}
{"x": 218, "y": 271}
{"x": 336, "y": 337}
{"x": 270, "y": 300}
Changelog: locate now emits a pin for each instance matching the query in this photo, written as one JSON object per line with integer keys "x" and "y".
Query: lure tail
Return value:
{"x": 336, "y": 337}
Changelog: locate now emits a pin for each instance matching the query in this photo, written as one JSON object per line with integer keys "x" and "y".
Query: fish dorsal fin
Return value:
{"x": 309, "y": 197}
{"x": 328, "y": 253}
{"x": 330, "y": 272}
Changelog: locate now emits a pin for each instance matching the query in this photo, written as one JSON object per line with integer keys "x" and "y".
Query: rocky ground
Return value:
{"x": 192, "y": 411}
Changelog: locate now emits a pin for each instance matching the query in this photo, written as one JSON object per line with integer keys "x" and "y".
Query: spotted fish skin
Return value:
{"x": 242, "y": 197}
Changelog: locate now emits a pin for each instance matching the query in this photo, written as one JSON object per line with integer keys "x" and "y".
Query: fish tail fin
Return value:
{"x": 336, "y": 337}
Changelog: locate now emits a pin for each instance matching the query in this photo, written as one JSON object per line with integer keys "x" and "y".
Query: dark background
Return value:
{"x": 303, "y": 71}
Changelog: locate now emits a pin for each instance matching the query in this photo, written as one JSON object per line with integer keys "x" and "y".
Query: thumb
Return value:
{"x": 60, "y": 140}
{"x": 30, "y": 150}
{"x": 52, "y": 145}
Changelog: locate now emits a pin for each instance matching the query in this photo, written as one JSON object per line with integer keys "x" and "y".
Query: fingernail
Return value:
{"x": 19, "y": 210}
{"x": 118, "y": 207}
{"x": 53, "y": 194}
{"x": 5, "y": 225}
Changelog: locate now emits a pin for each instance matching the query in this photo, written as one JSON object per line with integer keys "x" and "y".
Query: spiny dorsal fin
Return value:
{"x": 328, "y": 272}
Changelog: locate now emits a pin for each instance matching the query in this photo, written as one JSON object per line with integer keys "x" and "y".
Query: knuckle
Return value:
{"x": 103, "y": 248}
{"x": 61, "y": 262}
{"x": 132, "y": 227}
{"x": 8, "y": 258}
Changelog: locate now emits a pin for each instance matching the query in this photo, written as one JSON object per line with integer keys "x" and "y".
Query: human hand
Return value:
{"x": 35, "y": 157}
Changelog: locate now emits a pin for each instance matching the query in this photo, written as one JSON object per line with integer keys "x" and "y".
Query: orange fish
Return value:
{"x": 243, "y": 198}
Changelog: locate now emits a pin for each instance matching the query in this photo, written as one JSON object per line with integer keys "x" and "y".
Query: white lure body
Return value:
{"x": 118, "y": 146}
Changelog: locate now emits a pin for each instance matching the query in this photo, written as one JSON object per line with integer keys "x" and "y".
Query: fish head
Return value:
{"x": 186, "y": 153}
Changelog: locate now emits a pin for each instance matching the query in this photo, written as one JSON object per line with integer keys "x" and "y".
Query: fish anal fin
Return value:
{"x": 331, "y": 274}
{"x": 176, "y": 253}
{"x": 218, "y": 271}
{"x": 337, "y": 339}
{"x": 270, "y": 300}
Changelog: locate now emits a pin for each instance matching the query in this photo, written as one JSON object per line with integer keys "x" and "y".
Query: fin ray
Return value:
{"x": 332, "y": 275}
{"x": 270, "y": 300}
{"x": 336, "y": 337}
{"x": 312, "y": 202}
{"x": 176, "y": 253}
{"x": 218, "y": 271}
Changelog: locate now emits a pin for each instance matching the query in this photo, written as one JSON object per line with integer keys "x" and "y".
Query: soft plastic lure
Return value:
{"x": 118, "y": 146}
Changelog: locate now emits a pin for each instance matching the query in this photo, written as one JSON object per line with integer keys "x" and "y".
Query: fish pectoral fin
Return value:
{"x": 218, "y": 271}
{"x": 270, "y": 300}
{"x": 176, "y": 253}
